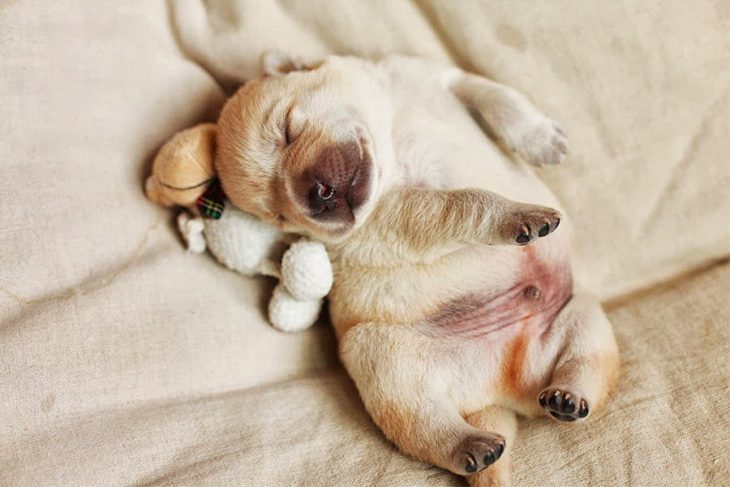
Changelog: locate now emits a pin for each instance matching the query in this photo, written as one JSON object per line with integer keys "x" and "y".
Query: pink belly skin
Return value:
{"x": 538, "y": 293}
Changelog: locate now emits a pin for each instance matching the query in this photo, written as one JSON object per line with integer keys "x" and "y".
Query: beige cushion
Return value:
{"x": 124, "y": 360}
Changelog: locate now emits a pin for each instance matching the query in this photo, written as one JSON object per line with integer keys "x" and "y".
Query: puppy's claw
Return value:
{"x": 471, "y": 464}
{"x": 583, "y": 409}
{"x": 524, "y": 236}
{"x": 568, "y": 403}
{"x": 555, "y": 401}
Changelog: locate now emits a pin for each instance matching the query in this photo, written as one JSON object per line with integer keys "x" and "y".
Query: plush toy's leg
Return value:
{"x": 289, "y": 314}
{"x": 503, "y": 421}
{"x": 192, "y": 232}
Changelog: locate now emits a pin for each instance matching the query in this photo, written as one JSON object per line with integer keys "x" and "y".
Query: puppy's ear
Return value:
{"x": 183, "y": 168}
{"x": 276, "y": 63}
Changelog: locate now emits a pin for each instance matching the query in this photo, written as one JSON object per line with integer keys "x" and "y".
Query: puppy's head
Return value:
{"x": 296, "y": 147}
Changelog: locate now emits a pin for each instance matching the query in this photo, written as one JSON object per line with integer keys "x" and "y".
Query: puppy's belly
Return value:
{"x": 531, "y": 301}
{"x": 501, "y": 337}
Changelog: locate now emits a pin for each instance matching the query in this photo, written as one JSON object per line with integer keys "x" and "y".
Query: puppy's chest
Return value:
{"x": 425, "y": 149}
{"x": 530, "y": 302}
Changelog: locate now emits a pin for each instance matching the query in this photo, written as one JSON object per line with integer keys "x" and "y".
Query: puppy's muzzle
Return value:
{"x": 336, "y": 184}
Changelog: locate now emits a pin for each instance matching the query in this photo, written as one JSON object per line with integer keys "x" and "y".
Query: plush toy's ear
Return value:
{"x": 183, "y": 168}
{"x": 276, "y": 63}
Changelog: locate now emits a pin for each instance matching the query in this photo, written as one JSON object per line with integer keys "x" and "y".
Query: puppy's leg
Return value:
{"x": 504, "y": 422}
{"x": 426, "y": 218}
{"x": 587, "y": 366}
{"x": 431, "y": 430}
{"x": 403, "y": 384}
{"x": 510, "y": 117}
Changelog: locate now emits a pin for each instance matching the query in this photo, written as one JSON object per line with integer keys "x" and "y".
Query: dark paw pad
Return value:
{"x": 563, "y": 405}
{"x": 476, "y": 453}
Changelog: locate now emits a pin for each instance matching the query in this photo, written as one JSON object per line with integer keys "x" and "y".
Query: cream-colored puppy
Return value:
{"x": 452, "y": 310}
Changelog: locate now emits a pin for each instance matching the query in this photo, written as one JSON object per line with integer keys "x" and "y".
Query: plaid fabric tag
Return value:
{"x": 211, "y": 203}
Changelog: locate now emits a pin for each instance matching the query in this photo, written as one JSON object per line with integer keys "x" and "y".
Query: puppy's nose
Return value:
{"x": 335, "y": 183}
{"x": 321, "y": 198}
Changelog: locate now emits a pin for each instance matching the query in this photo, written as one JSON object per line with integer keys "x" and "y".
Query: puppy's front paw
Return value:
{"x": 542, "y": 142}
{"x": 478, "y": 452}
{"x": 563, "y": 405}
{"x": 522, "y": 226}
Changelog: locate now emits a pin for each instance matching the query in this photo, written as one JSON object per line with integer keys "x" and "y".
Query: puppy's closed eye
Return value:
{"x": 289, "y": 130}
{"x": 289, "y": 135}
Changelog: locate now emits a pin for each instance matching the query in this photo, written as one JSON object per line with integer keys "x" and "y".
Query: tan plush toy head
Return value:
{"x": 183, "y": 168}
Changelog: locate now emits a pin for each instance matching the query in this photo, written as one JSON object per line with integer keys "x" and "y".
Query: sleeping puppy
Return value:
{"x": 453, "y": 303}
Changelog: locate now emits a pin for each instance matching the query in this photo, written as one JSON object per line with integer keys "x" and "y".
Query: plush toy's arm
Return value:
{"x": 192, "y": 232}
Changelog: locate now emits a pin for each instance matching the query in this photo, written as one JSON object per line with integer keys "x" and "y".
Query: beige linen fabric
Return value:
{"x": 124, "y": 360}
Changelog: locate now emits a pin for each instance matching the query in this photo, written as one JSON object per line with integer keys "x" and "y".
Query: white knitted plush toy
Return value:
{"x": 183, "y": 175}
{"x": 244, "y": 243}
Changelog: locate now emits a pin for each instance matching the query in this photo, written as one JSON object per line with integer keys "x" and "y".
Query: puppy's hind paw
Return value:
{"x": 478, "y": 452}
{"x": 563, "y": 405}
